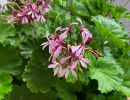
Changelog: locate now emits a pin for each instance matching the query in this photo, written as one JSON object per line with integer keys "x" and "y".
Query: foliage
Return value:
{"x": 24, "y": 73}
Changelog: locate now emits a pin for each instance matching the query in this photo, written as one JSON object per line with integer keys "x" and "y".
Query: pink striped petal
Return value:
{"x": 52, "y": 65}
{"x": 34, "y": 7}
{"x": 85, "y": 60}
{"x": 30, "y": 12}
{"x": 63, "y": 60}
{"x": 62, "y": 73}
{"x": 38, "y": 18}
{"x": 33, "y": 15}
{"x": 43, "y": 19}
{"x": 75, "y": 48}
{"x": 74, "y": 64}
{"x": 66, "y": 73}
{"x": 79, "y": 51}
{"x": 63, "y": 35}
{"x": 83, "y": 64}
{"x": 20, "y": 15}
{"x": 58, "y": 51}
{"x": 56, "y": 71}
{"x": 24, "y": 20}
{"x": 74, "y": 73}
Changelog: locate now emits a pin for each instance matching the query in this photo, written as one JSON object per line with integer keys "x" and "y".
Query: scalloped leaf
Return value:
{"x": 91, "y": 96}
{"x": 106, "y": 72}
{"x": 37, "y": 74}
{"x": 23, "y": 93}
{"x": 65, "y": 91}
{"x": 6, "y": 30}
{"x": 10, "y": 60}
{"x": 5, "y": 84}
{"x": 27, "y": 47}
{"x": 111, "y": 31}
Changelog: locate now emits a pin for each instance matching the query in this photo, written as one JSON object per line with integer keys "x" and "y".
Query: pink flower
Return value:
{"x": 83, "y": 61}
{"x": 66, "y": 72}
{"x": 33, "y": 11}
{"x": 30, "y": 11}
{"x": 23, "y": 16}
{"x": 57, "y": 65}
{"x": 86, "y": 35}
{"x": 60, "y": 47}
{"x": 77, "y": 50}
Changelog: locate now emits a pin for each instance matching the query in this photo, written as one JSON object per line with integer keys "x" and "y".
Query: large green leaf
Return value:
{"x": 5, "y": 84}
{"x": 23, "y": 93}
{"x": 106, "y": 72}
{"x": 125, "y": 62}
{"x": 27, "y": 47}
{"x": 37, "y": 74}
{"x": 91, "y": 96}
{"x": 111, "y": 31}
{"x": 65, "y": 91}
{"x": 6, "y": 30}
{"x": 10, "y": 60}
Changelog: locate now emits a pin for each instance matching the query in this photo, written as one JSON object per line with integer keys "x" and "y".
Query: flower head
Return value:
{"x": 30, "y": 12}
{"x": 66, "y": 57}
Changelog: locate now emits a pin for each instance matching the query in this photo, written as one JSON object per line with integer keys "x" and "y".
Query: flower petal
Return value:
{"x": 75, "y": 48}
{"x": 56, "y": 71}
{"x": 63, "y": 35}
{"x": 62, "y": 72}
{"x": 83, "y": 64}
{"x": 52, "y": 65}
{"x": 79, "y": 51}
{"x": 85, "y": 60}
{"x": 66, "y": 73}
{"x": 63, "y": 60}
{"x": 74, "y": 73}
{"x": 58, "y": 51}
{"x": 74, "y": 64}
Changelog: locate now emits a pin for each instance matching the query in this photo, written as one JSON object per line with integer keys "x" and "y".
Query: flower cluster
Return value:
{"x": 30, "y": 12}
{"x": 67, "y": 58}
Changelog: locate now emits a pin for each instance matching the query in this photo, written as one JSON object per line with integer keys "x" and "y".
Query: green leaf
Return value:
{"x": 27, "y": 47}
{"x": 111, "y": 31}
{"x": 10, "y": 60}
{"x": 123, "y": 89}
{"x": 5, "y": 84}
{"x": 91, "y": 96}
{"x": 71, "y": 78}
{"x": 6, "y": 30}
{"x": 106, "y": 72}
{"x": 37, "y": 75}
{"x": 23, "y": 93}
{"x": 116, "y": 96}
{"x": 64, "y": 91}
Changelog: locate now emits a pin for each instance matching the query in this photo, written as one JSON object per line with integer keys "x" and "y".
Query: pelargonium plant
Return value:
{"x": 65, "y": 57}
{"x": 30, "y": 12}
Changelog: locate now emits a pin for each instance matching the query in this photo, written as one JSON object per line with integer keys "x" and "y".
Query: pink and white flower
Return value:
{"x": 66, "y": 57}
